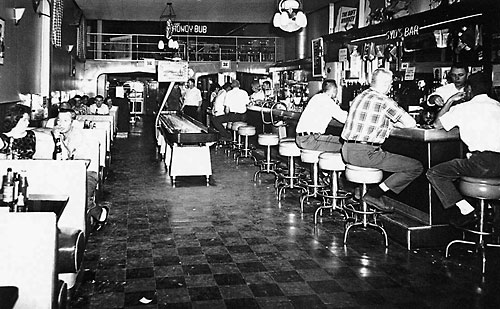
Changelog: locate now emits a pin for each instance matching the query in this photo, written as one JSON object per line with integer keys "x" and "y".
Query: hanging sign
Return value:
{"x": 225, "y": 64}
{"x": 170, "y": 71}
{"x": 343, "y": 54}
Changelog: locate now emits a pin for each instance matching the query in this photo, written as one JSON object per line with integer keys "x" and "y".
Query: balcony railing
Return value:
{"x": 112, "y": 46}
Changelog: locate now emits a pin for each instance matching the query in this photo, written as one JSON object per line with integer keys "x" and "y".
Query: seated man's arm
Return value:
{"x": 406, "y": 121}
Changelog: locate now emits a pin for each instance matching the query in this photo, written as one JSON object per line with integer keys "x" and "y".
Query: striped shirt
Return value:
{"x": 371, "y": 117}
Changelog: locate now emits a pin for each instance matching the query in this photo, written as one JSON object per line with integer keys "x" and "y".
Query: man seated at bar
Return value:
{"x": 451, "y": 91}
{"x": 235, "y": 108}
{"x": 99, "y": 108}
{"x": 218, "y": 106}
{"x": 73, "y": 147}
{"x": 371, "y": 118}
{"x": 315, "y": 119}
{"x": 478, "y": 121}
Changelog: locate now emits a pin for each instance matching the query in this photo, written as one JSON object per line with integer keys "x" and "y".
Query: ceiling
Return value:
{"x": 239, "y": 11}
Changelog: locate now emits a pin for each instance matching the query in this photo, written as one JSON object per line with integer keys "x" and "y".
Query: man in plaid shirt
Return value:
{"x": 371, "y": 118}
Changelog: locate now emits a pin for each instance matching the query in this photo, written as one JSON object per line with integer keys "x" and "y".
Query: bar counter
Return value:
{"x": 420, "y": 213}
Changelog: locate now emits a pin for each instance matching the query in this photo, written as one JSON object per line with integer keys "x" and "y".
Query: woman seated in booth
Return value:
{"x": 17, "y": 141}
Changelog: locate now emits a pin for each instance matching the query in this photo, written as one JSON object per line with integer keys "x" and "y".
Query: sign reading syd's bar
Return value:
{"x": 402, "y": 32}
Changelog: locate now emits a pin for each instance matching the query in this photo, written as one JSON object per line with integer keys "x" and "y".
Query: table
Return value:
{"x": 184, "y": 141}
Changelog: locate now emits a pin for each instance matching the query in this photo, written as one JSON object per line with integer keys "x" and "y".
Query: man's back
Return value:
{"x": 237, "y": 100}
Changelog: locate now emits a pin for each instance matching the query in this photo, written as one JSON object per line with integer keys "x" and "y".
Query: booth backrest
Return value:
{"x": 100, "y": 118}
{"x": 91, "y": 151}
{"x": 67, "y": 177}
{"x": 28, "y": 243}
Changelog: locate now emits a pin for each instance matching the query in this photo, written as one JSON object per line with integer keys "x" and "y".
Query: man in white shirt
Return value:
{"x": 458, "y": 75}
{"x": 192, "y": 101}
{"x": 218, "y": 107}
{"x": 99, "y": 108}
{"x": 315, "y": 119}
{"x": 235, "y": 108}
{"x": 258, "y": 96}
{"x": 478, "y": 121}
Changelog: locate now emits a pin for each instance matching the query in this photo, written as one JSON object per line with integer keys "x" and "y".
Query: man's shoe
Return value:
{"x": 462, "y": 221}
{"x": 377, "y": 203}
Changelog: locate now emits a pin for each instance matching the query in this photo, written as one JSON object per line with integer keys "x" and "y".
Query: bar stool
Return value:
{"x": 245, "y": 151}
{"x": 361, "y": 217}
{"x": 236, "y": 142}
{"x": 483, "y": 189}
{"x": 267, "y": 166}
{"x": 290, "y": 178}
{"x": 333, "y": 163}
{"x": 311, "y": 187}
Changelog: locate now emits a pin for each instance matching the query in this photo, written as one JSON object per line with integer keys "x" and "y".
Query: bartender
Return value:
{"x": 452, "y": 91}
{"x": 315, "y": 119}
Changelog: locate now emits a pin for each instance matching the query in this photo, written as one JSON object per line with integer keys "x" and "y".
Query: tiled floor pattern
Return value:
{"x": 230, "y": 246}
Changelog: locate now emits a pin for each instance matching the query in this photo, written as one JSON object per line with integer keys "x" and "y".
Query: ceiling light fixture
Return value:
{"x": 167, "y": 17}
{"x": 290, "y": 17}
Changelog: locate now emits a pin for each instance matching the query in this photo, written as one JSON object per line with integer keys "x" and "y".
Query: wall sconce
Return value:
{"x": 68, "y": 48}
{"x": 290, "y": 17}
{"x": 18, "y": 14}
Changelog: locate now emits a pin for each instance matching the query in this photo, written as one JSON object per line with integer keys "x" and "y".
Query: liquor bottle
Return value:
{"x": 57, "y": 155}
{"x": 8, "y": 189}
{"x": 16, "y": 186}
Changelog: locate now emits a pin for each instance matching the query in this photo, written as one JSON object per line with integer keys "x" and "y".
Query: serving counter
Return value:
{"x": 420, "y": 220}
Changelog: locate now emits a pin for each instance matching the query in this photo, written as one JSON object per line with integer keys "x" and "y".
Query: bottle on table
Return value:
{"x": 57, "y": 155}
{"x": 20, "y": 203}
{"x": 8, "y": 190}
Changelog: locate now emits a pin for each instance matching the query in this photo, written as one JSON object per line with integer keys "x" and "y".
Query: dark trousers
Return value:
{"x": 231, "y": 117}
{"x": 443, "y": 176}
{"x": 94, "y": 209}
{"x": 192, "y": 111}
{"x": 404, "y": 169}
{"x": 319, "y": 142}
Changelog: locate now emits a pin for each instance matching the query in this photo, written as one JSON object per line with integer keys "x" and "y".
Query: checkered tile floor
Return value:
{"x": 230, "y": 246}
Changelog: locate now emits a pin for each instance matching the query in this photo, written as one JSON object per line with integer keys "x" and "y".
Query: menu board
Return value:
{"x": 317, "y": 57}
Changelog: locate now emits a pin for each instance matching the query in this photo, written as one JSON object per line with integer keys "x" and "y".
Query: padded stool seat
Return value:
{"x": 311, "y": 186}
{"x": 331, "y": 161}
{"x": 309, "y": 156}
{"x": 246, "y": 130}
{"x": 287, "y": 139}
{"x": 289, "y": 149}
{"x": 362, "y": 216}
{"x": 363, "y": 175}
{"x": 482, "y": 189}
{"x": 237, "y": 124}
{"x": 268, "y": 139}
{"x": 290, "y": 178}
{"x": 267, "y": 166}
{"x": 245, "y": 151}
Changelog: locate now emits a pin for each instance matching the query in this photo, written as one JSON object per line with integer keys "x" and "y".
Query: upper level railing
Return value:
{"x": 113, "y": 46}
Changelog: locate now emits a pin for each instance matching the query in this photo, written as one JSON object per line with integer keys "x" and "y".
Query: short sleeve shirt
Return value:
{"x": 237, "y": 100}
{"x": 318, "y": 113}
{"x": 371, "y": 117}
{"x": 192, "y": 97}
{"x": 478, "y": 121}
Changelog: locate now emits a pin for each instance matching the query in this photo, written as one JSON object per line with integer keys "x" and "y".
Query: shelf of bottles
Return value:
{"x": 293, "y": 89}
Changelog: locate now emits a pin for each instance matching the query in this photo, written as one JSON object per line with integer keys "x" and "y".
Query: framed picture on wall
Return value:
{"x": 2, "y": 40}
